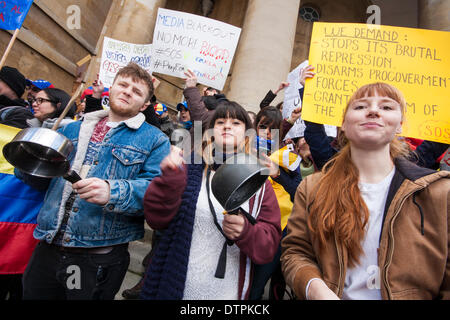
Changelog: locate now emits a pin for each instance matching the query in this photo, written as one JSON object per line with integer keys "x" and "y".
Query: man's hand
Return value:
{"x": 97, "y": 88}
{"x": 191, "y": 79}
{"x": 93, "y": 190}
{"x": 233, "y": 225}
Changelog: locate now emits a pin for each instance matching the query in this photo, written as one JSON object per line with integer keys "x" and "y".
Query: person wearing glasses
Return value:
{"x": 48, "y": 106}
{"x": 34, "y": 86}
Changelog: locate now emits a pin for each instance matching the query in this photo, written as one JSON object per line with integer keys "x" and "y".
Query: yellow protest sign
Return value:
{"x": 416, "y": 61}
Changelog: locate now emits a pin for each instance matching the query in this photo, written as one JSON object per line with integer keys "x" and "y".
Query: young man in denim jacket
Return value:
{"x": 85, "y": 227}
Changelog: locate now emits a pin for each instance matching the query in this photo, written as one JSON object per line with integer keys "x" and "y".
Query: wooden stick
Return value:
{"x": 67, "y": 108}
{"x": 8, "y": 49}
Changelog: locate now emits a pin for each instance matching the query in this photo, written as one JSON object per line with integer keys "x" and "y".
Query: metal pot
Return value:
{"x": 237, "y": 180}
{"x": 41, "y": 152}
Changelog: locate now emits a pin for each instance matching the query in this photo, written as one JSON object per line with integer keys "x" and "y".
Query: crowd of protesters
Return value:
{"x": 363, "y": 215}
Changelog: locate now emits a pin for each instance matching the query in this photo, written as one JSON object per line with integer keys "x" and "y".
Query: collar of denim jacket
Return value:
{"x": 133, "y": 123}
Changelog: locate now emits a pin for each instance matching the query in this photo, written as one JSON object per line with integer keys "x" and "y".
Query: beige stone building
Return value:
{"x": 275, "y": 36}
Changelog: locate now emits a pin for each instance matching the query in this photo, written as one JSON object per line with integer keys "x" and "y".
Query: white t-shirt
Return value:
{"x": 363, "y": 281}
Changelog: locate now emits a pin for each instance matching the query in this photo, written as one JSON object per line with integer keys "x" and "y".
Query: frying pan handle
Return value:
{"x": 250, "y": 218}
{"x": 72, "y": 176}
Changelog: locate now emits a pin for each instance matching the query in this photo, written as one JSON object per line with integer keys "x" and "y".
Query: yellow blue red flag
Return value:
{"x": 19, "y": 207}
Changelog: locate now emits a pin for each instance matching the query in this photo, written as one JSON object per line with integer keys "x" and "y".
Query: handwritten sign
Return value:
{"x": 185, "y": 41}
{"x": 416, "y": 61}
{"x": 13, "y": 13}
{"x": 292, "y": 101}
{"x": 117, "y": 54}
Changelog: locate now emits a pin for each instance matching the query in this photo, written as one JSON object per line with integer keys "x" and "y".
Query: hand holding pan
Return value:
{"x": 43, "y": 152}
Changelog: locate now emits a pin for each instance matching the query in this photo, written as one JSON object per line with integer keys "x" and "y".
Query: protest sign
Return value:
{"x": 184, "y": 41}
{"x": 13, "y": 13}
{"x": 292, "y": 101}
{"x": 416, "y": 61}
{"x": 117, "y": 54}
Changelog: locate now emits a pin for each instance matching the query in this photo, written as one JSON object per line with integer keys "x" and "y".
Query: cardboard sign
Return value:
{"x": 416, "y": 61}
{"x": 13, "y": 13}
{"x": 117, "y": 54}
{"x": 184, "y": 41}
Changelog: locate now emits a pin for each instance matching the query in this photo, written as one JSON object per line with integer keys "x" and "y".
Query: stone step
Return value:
{"x": 147, "y": 235}
{"x": 130, "y": 280}
{"x": 138, "y": 250}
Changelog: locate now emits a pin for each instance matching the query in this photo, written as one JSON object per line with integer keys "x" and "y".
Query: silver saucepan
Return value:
{"x": 41, "y": 152}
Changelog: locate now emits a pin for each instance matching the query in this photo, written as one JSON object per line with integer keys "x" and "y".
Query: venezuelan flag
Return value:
{"x": 19, "y": 207}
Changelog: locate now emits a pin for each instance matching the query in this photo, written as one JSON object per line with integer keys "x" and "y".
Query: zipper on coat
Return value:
{"x": 391, "y": 247}
{"x": 341, "y": 269}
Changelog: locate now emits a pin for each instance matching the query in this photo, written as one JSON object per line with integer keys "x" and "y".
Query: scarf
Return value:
{"x": 165, "y": 277}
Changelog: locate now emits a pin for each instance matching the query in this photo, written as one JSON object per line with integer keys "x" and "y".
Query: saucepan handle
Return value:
{"x": 72, "y": 176}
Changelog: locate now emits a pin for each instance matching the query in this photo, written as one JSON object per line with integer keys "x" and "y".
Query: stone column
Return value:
{"x": 434, "y": 14}
{"x": 131, "y": 21}
{"x": 264, "y": 53}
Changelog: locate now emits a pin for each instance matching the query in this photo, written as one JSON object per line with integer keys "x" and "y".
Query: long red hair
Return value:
{"x": 338, "y": 208}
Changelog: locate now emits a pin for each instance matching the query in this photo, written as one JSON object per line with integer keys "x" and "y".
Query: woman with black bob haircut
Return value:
{"x": 48, "y": 105}
{"x": 204, "y": 254}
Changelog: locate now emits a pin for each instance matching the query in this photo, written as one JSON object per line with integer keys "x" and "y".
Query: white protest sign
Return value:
{"x": 117, "y": 54}
{"x": 184, "y": 41}
{"x": 292, "y": 101}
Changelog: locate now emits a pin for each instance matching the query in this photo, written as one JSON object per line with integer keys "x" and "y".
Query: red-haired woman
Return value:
{"x": 371, "y": 225}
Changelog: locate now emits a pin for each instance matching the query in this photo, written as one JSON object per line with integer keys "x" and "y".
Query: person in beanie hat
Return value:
{"x": 13, "y": 109}
{"x": 33, "y": 87}
{"x": 14, "y": 80}
{"x": 166, "y": 124}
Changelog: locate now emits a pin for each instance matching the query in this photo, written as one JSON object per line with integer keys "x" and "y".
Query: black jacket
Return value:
{"x": 14, "y": 113}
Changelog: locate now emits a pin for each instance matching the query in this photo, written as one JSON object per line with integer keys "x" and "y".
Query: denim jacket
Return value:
{"x": 128, "y": 159}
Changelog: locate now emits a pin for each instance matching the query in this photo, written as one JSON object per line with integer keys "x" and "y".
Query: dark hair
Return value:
{"x": 230, "y": 109}
{"x": 137, "y": 74}
{"x": 211, "y": 89}
{"x": 254, "y": 117}
{"x": 227, "y": 109}
{"x": 270, "y": 117}
{"x": 59, "y": 99}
